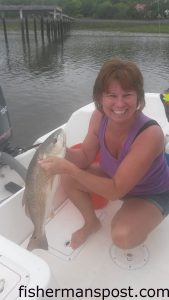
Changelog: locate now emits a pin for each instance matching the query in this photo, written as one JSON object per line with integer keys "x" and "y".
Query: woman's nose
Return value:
{"x": 120, "y": 101}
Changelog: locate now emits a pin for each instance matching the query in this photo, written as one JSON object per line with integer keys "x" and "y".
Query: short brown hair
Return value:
{"x": 126, "y": 73}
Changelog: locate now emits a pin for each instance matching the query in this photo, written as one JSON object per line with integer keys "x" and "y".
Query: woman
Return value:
{"x": 132, "y": 164}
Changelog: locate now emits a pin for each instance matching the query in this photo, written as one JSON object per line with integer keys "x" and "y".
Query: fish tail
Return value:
{"x": 37, "y": 242}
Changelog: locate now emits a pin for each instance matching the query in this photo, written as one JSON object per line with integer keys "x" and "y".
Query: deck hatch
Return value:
{"x": 12, "y": 276}
{"x": 59, "y": 231}
{"x": 131, "y": 259}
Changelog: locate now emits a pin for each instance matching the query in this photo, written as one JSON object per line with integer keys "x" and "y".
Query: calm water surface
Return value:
{"x": 43, "y": 85}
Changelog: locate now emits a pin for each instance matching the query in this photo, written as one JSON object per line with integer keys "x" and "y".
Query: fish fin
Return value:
{"x": 27, "y": 211}
{"x": 23, "y": 200}
{"x": 52, "y": 213}
{"x": 37, "y": 243}
{"x": 59, "y": 197}
{"x": 51, "y": 182}
{"x": 25, "y": 204}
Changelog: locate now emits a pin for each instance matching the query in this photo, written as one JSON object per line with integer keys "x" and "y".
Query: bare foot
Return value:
{"x": 81, "y": 235}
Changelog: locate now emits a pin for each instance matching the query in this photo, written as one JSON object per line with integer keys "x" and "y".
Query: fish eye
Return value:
{"x": 55, "y": 140}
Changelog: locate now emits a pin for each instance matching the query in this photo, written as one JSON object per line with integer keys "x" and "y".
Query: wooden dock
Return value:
{"x": 52, "y": 21}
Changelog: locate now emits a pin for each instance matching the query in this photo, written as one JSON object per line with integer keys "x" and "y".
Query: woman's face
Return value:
{"x": 119, "y": 105}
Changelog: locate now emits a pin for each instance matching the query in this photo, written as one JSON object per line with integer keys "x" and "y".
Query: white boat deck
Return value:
{"x": 98, "y": 263}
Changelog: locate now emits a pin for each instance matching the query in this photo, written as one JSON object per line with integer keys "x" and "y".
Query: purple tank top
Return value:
{"x": 155, "y": 181}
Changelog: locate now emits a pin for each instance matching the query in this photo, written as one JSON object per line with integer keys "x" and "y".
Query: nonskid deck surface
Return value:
{"x": 98, "y": 263}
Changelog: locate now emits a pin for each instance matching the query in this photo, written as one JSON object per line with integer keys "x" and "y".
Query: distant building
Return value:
{"x": 166, "y": 13}
{"x": 140, "y": 6}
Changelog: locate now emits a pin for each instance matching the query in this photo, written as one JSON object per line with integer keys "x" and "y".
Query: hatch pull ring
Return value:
{"x": 2, "y": 285}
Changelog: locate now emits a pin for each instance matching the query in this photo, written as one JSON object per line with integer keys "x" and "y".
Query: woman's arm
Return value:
{"x": 147, "y": 146}
{"x": 86, "y": 154}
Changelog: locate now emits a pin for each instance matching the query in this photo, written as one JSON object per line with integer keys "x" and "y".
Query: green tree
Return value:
{"x": 87, "y": 8}
{"x": 120, "y": 10}
{"x": 104, "y": 10}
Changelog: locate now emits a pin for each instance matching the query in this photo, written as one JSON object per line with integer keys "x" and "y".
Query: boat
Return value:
{"x": 96, "y": 270}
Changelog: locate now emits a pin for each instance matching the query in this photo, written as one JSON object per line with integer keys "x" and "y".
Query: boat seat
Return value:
{"x": 154, "y": 109}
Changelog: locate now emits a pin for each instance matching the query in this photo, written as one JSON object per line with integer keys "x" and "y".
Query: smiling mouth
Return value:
{"x": 119, "y": 112}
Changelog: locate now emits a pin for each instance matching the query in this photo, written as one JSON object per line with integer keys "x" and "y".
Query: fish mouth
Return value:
{"x": 57, "y": 133}
{"x": 55, "y": 140}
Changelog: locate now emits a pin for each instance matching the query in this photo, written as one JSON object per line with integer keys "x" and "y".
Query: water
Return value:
{"x": 44, "y": 85}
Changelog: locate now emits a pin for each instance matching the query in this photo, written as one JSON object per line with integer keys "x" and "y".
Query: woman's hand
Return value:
{"x": 55, "y": 165}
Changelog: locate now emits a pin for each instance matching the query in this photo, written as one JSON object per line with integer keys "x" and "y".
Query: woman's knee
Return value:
{"x": 125, "y": 237}
{"x": 120, "y": 236}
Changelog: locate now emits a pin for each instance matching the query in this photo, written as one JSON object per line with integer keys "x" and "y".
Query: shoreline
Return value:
{"x": 125, "y": 26}
{"x": 160, "y": 26}
{"x": 90, "y": 32}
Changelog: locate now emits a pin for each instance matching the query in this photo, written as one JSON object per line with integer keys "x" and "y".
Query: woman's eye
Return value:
{"x": 111, "y": 95}
{"x": 130, "y": 94}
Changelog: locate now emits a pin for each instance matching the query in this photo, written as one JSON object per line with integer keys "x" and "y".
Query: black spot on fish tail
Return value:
{"x": 37, "y": 243}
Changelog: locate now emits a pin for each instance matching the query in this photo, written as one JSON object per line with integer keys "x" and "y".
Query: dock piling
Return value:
{"x": 4, "y": 28}
{"x": 22, "y": 25}
{"x": 42, "y": 29}
{"x": 55, "y": 25}
{"x": 35, "y": 29}
{"x": 27, "y": 29}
